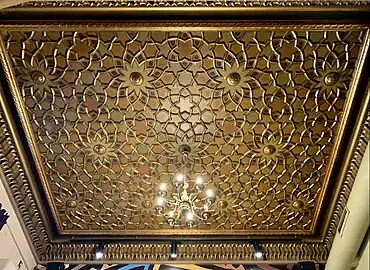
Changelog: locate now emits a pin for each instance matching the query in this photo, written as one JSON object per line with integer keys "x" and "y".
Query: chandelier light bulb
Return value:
{"x": 189, "y": 216}
{"x": 159, "y": 201}
{"x": 162, "y": 187}
{"x": 199, "y": 180}
{"x": 206, "y": 207}
{"x": 171, "y": 214}
{"x": 209, "y": 193}
{"x": 180, "y": 177}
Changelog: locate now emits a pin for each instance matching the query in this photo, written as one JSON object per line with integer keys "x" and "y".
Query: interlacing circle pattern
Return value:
{"x": 259, "y": 110}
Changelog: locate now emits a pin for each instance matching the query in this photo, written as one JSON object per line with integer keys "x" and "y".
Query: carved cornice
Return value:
{"x": 195, "y": 3}
{"x": 18, "y": 184}
{"x": 189, "y": 252}
{"x": 354, "y": 165}
{"x": 179, "y": 26}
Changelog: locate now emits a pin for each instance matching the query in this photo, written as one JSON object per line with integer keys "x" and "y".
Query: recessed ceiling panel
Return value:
{"x": 106, "y": 112}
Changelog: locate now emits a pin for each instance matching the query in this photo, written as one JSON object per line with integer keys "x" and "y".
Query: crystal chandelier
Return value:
{"x": 184, "y": 206}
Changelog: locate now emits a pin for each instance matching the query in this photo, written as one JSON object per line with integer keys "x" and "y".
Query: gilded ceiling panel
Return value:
{"x": 262, "y": 112}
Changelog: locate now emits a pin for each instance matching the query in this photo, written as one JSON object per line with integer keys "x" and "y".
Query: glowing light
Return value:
{"x": 171, "y": 214}
{"x": 206, "y": 207}
{"x": 209, "y": 193}
{"x": 173, "y": 254}
{"x": 160, "y": 201}
{"x": 99, "y": 255}
{"x": 189, "y": 216}
{"x": 199, "y": 180}
{"x": 258, "y": 255}
{"x": 180, "y": 177}
{"x": 162, "y": 186}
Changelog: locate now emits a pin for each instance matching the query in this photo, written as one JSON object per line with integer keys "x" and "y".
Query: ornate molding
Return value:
{"x": 195, "y": 3}
{"x": 18, "y": 184}
{"x": 179, "y": 26}
{"x": 354, "y": 165}
{"x": 190, "y": 252}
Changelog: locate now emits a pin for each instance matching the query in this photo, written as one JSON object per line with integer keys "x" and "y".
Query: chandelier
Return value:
{"x": 187, "y": 205}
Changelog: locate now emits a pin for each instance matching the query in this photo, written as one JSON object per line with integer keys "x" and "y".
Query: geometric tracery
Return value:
{"x": 259, "y": 110}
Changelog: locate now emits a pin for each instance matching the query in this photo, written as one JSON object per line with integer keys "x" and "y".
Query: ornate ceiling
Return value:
{"x": 107, "y": 112}
{"x": 93, "y": 117}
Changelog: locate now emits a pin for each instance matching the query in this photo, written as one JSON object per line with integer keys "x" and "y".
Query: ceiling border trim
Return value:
{"x": 166, "y": 26}
{"x": 356, "y": 155}
{"x": 192, "y": 252}
{"x": 17, "y": 184}
{"x": 214, "y": 10}
{"x": 195, "y": 3}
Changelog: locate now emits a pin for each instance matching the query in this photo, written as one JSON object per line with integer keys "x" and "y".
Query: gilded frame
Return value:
{"x": 19, "y": 176}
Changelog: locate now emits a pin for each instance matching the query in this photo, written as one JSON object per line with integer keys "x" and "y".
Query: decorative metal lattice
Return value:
{"x": 107, "y": 112}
